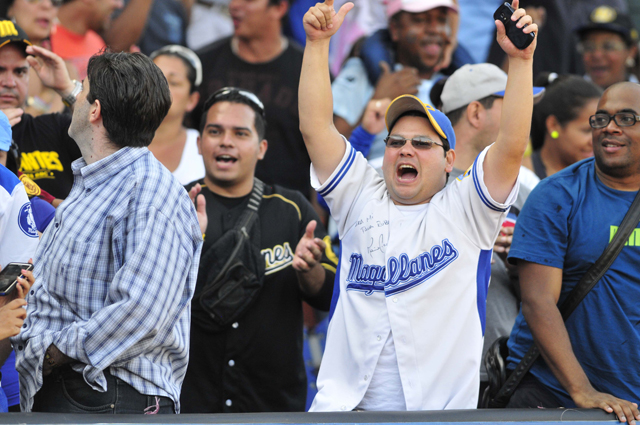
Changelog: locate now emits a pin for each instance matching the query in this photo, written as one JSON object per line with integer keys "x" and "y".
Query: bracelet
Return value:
{"x": 70, "y": 99}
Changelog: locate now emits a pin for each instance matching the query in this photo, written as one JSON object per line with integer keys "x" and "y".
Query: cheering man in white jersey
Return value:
{"x": 408, "y": 313}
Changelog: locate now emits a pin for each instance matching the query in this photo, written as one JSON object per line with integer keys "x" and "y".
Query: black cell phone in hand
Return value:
{"x": 9, "y": 276}
{"x": 515, "y": 34}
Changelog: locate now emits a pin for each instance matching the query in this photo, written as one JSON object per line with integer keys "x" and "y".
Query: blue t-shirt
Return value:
{"x": 567, "y": 222}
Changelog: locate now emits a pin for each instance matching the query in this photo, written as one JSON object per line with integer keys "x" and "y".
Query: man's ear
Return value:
{"x": 263, "y": 148}
{"x": 280, "y": 9}
{"x": 474, "y": 113}
{"x": 199, "y": 143}
{"x": 95, "y": 111}
{"x": 450, "y": 159}
{"x": 394, "y": 28}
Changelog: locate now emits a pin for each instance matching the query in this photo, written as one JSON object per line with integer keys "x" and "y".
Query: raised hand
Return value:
{"x": 520, "y": 16}
{"x": 201, "y": 207}
{"x": 373, "y": 117}
{"x": 393, "y": 84}
{"x": 309, "y": 250}
{"x": 321, "y": 21}
{"x": 50, "y": 68}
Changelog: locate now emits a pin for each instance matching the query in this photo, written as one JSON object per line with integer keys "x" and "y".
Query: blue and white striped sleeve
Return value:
{"x": 472, "y": 205}
{"x": 350, "y": 186}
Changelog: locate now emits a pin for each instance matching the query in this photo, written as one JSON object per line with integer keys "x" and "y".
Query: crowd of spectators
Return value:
{"x": 199, "y": 182}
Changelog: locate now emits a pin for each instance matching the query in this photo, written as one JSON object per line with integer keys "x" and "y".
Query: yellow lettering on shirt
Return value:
{"x": 40, "y": 164}
{"x": 634, "y": 239}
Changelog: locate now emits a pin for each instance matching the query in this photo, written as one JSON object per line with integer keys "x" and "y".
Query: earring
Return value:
{"x": 555, "y": 134}
{"x": 630, "y": 62}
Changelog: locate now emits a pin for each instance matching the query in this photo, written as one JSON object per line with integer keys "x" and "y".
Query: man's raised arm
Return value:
{"x": 502, "y": 163}
{"x": 315, "y": 101}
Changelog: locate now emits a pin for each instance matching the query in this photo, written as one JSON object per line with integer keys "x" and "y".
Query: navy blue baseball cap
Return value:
{"x": 606, "y": 18}
{"x": 438, "y": 120}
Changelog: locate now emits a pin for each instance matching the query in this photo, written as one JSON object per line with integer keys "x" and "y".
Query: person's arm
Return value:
{"x": 51, "y": 69}
{"x": 315, "y": 101}
{"x": 126, "y": 29}
{"x": 503, "y": 160}
{"x": 540, "y": 288}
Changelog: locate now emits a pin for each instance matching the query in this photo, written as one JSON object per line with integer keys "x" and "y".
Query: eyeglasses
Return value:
{"x": 622, "y": 119}
{"x": 419, "y": 142}
{"x": 55, "y": 3}
{"x": 252, "y": 98}
{"x": 606, "y": 47}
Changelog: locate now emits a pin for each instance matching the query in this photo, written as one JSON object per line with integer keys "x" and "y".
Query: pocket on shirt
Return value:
{"x": 86, "y": 261}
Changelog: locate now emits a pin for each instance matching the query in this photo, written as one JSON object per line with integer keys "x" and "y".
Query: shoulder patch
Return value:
{"x": 30, "y": 186}
{"x": 26, "y": 222}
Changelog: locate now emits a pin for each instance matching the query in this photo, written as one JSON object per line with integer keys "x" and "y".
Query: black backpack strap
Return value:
{"x": 577, "y": 294}
{"x": 244, "y": 223}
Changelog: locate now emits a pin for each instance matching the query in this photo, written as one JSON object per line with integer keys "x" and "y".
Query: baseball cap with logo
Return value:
{"x": 12, "y": 33}
{"x": 438, "y": 120}
{"x": 475, "y": 82}
{"x": 606, "y": 18}
{"x": 417, "y": 6}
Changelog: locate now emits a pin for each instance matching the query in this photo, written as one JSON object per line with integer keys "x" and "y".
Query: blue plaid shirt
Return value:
{"x": 115, "y": 272}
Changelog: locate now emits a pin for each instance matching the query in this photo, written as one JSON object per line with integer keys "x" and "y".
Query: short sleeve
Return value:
{"x": 540, "y": 235}
{"x": 349, "y": 189}
{"x": 469, "y": 205}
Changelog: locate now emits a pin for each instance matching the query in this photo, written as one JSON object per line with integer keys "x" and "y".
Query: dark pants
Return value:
{"x": 65, "y": 391}
{"x": 531, "y": 393}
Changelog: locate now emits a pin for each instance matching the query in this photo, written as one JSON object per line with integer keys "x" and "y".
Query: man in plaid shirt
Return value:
{"x": 108, "y": 320}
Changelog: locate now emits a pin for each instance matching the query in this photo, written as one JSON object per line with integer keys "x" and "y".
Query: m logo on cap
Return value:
{"x": 7, "y": 29}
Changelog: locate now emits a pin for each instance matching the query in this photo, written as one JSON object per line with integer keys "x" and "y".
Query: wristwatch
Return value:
{"x": 70, "y": 99}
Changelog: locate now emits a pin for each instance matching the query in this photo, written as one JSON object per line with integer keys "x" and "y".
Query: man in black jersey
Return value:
{"x": 45, "y": 150}
{"x": 253, "y": 363}
{"x": 259, "y": 58}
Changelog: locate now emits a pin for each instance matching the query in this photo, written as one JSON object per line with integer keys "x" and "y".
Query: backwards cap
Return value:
{"x": 438, "y": 120}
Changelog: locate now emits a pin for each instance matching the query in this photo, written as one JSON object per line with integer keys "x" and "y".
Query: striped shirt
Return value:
{"x": 115, "y": 272}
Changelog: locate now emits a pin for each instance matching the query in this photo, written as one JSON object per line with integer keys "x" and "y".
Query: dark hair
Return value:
{"x": 457, "y": 114}
{"x": 444, "y": 141}
{"x": 564, "y": 97}
{"x": 235, "y": 95}
{"x": 133, "y": 93}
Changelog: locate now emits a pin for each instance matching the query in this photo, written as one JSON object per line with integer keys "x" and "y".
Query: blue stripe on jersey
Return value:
{"x": 476, "y": 183}
{"x": 345, "y": 167}
{"x": 8, "y": 180}
{"x": 482, "y": 280}
{"x": 336, "y": 286}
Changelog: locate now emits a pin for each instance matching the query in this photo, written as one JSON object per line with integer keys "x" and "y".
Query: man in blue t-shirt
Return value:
{"x": 592, "y": 359}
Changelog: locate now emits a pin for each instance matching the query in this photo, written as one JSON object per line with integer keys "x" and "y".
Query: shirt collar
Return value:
{"x": 96, "y": 173}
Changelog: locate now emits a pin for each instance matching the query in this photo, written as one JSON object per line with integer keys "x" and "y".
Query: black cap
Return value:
{"x": 12, "y": 33}
{"x": 606, "y": 18}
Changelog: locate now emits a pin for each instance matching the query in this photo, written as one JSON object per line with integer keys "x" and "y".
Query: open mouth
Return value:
{"x": 406, "y": 173}
{"x": 611, "y": 146}
{"x": 226, "y": 159}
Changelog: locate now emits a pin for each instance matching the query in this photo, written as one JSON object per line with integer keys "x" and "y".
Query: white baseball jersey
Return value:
{"x": 18, "y": 232}
{"x": 424, "y": 280}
